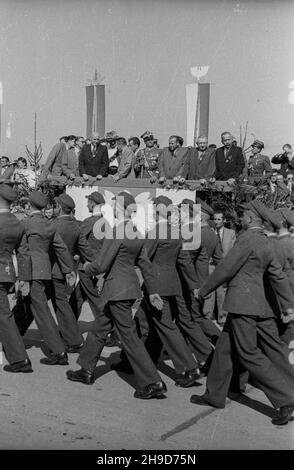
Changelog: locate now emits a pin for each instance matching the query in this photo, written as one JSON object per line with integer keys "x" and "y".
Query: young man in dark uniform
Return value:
{"x": 250, "y": 334}
{"x": 43, "y": 238}
{"x": 121, "y": 288}
{"x": 12, "y": 237}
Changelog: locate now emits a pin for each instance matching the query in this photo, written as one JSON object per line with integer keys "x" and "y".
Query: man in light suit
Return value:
{"x": 250, "y": 337}
{"x": 200, "y": 162}
{"x": 126, "y": 161}
{"x": 227, "y": 238}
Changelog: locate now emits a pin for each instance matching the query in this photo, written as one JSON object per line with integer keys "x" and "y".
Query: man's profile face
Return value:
{"x": 202, "y": 144}
{"x": 227, "y": 140}
{"x": 173, "y": 144}
{"x": 287, "y": 149}
{"x": 218, "y": 220}
{"x": 80, "y": 142}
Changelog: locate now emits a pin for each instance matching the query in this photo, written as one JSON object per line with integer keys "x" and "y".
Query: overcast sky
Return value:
{"x": 144, "y": 49}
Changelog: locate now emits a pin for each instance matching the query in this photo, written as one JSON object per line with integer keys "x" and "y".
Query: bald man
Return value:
{"x": 93, "y": 159}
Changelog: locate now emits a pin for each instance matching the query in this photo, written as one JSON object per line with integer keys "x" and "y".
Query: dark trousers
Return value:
{"x": 286, "y": 332}
{"x": 66, "y": 320}
{"x": 171, "y": 337}
{"x": 86, "y": 290}
{"x": 55, "y": 290}
{"x": 43, "y": 316}
{"x": 255, "y": 344}
{"x": 210, "y": 330}
{"x": 192, "y": 331}
{"x": 10, "y": 338}
{"x": 119, "y": 313}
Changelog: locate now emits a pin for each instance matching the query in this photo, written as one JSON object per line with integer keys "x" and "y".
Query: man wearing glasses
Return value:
{"x": 93, "y": 159}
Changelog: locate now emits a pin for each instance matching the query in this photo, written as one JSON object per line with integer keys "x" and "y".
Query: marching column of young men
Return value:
{"x": 258, "y": 272}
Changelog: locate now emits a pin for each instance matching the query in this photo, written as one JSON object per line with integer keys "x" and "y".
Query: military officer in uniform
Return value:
{"x": 121, "y": 288}
{"x": 146, "y": 160}
{"x": 259, "y": 165}
{"x": 12, "y": 237}
{"x": 43, "y": 239}
{"x": 250, "y": 335}
{"x": 67, "y": 227}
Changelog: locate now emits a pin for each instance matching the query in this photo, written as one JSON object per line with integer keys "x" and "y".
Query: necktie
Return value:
{"x": 218, "y": 236}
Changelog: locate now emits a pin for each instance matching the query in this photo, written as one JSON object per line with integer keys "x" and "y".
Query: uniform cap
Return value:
{"x": 163, "y": 200}
{"x": 38, "y": 199}
{"x": 259, "y": 209}
{"x": 66, "y": 201}
{"x": 127, "y": 198}
{"x": 147, "y": 136}
{"x": 7, "y": 193}
{"x": 111, "y": 136}
{"x": 96, "y": 197}
{"x": 258, "y": 143}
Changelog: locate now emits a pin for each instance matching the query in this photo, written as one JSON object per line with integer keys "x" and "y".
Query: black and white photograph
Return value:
{"x": 146, "y": 229}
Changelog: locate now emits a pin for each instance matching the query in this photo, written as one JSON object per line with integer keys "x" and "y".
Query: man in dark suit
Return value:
{"x": 229, "y": 160}
{"x": 93, "y": 159}
{"x": 43, "y": 240}
{"x": 12, "y": 237}
{"x": 121, "y": 288}
{"x": 250, "y": 335}
{"x": 6, "y": 170}
{"x": 200, "y": 164}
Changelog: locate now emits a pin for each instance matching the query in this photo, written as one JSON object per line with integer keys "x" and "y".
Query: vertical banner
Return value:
{"x": 100, "y": 110}
{"x": 191, "y": 99}
{"x": 204, "y": 94}
{"x": 90, "y": 107}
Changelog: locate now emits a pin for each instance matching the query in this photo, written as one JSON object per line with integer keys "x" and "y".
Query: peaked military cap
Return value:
{"x": 38, "y": 199}
{"x": 126, "y": 197}
{"x": 7, "y": 192}
{"x": 258, "y": 143}
{"x": 147, "y": 136}
{"x": 96, "y": 197}
{"x": 66, "y": 201}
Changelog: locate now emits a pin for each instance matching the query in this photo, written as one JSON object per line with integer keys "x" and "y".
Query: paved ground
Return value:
{"x": 44, "y": 410}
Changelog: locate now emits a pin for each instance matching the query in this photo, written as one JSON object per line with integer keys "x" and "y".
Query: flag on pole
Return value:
{"x": 8, "y": 130}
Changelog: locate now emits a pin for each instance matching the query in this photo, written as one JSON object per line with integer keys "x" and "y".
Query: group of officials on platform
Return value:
{"x": 173, "y": 280}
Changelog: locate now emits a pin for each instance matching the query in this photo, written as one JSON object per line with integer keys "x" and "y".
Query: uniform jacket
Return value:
{"x": 87, "y": 226}
{"x": 13, "y": 237}
{"x": 96, "y": 164}
{"x": 232, "y": 166}
{"x": 151, "y": 157}
{"x": 75, "y": 240}
{"x": 125, "y": 166}
{"x": 259, "y": 165}
{"x": 117, "y": 261}
{"x": 171, "y": 165}
{"x": 284, "y": 251}
{"x": 168, "y": 257}
{"x": 7, "y": 174}
{"x": 198, "y": 167}
{"x": 53, "y": 163}
{"x": 43, "y": 240}
{"x": 244, "y": 269}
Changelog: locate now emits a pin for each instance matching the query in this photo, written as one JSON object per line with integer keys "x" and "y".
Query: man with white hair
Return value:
{"x": 200, "y": 162}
